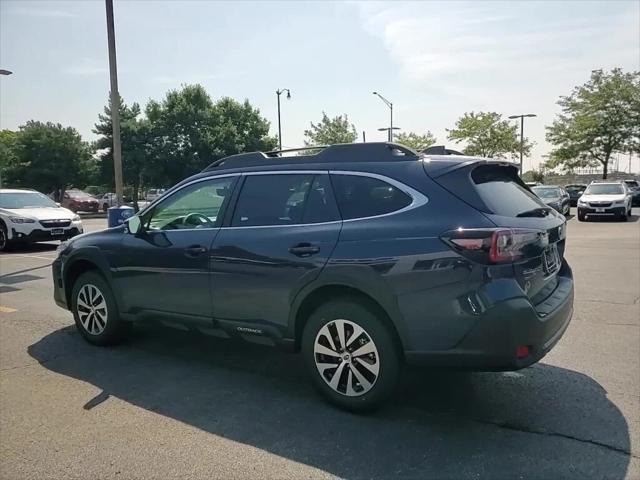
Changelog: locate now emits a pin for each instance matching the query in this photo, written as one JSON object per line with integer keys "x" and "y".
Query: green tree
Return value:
{"x": 414, "y": 140}
{"x": 330, "y": 131}
{"x": 189, "y": 131}
{"x": 533, "y": 176}
{"x": 598, "y": 119}
{"x": 135, "y": 138}
{"x": 50, "y": 157}
{"x": 487, "y": 135}
{"x": 8, "y": 158}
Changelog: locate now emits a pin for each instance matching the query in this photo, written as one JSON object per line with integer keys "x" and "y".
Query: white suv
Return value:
{"x": 608, "y": 199}
{"x": 29, "y": 216}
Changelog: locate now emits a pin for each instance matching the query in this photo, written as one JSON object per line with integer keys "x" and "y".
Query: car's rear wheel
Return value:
{"x": 350, "y": 354}
{"x": 95, "y": 310}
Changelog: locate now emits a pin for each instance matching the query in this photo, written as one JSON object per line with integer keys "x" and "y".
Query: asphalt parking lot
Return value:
{"x": 171, "y": 404}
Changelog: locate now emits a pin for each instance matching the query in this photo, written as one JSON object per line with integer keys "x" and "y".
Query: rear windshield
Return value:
{"x": 604, "y": 189}
{"x": 501, "y": 191}
{"x": 575, "y": 188}
{"x": 546, "y": 192}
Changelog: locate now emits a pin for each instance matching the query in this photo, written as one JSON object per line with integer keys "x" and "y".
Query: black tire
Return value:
{"x": 105, "y": 208}
{"x": 113, "y": 328}
{"x": 4, "y": 240}
{"x": 623, "y": 216}
{"x": 581, "y": 217}
{"x": 385, "y": 360}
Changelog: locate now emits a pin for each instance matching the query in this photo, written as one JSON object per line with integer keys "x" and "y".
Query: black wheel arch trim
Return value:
{"x": 365, "y": 282}
{"x": 94, "y": 256}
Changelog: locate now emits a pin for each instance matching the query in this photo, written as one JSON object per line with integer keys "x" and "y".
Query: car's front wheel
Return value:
{"x": 95, "y": 310}
{"x": 581, "y": 216}
{"x": 350, "y": 354}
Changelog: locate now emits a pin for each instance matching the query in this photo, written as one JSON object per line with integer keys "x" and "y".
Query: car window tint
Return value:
{"x": 277, "y": 199}
{"x": 360, "y": 197}
{"x": 321, "y": 205}
{"x": 501, "y": 192}
{"x": 195, "y": 206}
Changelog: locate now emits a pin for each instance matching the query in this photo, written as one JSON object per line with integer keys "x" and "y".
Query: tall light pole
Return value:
{"x": 521, "y": 117}
{"x": 278, "y": 93}
{"x": 390, "y": 105}
{"x": 115, "y": 103}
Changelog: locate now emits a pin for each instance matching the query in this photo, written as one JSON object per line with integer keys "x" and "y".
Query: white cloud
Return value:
{"x": 503, "y": 57}
{"x": 87, "y": 68}
{"x": 43, "y": 13}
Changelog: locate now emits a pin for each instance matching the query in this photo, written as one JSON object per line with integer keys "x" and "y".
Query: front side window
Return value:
{"x": 361, "y": 197}
{"x": 284, "y": 199}
{"x": 196, "y": 206}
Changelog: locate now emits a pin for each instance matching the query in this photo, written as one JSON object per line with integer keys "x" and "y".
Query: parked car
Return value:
{"x": 605, "y": 199}
{"x": 363, "y": 257}
{"x": 575, "y": 191}
{"x": 153, "y": 194}
{"x": 79, "y": 201}
{"x": 556, "y": 197}
{"x": 28, "y": 216}
{"x": 634, "y": 189}
{"x": 108, "y": 200}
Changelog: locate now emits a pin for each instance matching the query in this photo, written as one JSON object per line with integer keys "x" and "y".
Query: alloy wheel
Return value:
{"x": 92, "y": 309}
{"x": 346, "y": 357}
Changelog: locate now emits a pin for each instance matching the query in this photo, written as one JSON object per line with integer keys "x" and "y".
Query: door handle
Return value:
{"x": 194, "y": 250}
{"x": 304, "y": 250}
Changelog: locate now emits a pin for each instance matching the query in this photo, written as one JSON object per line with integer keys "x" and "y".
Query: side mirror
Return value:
{"x": 134, "y": 225}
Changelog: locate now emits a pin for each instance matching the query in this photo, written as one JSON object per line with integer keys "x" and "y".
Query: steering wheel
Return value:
{"x": 196, "y": 219}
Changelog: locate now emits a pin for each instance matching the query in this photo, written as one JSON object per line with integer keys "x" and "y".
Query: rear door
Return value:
{"x": 283, "y": 230}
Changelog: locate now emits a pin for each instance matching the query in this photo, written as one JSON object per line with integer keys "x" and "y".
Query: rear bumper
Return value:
{"x": 493, "y": 342}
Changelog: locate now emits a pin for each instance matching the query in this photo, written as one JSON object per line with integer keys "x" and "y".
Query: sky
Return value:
{"x": 433, "y": 60}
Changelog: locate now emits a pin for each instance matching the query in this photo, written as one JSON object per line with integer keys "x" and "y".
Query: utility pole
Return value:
{"x": 115, "y": 103}
{"x": 521, "y": 117}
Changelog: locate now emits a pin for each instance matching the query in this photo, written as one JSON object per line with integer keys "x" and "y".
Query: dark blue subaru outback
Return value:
{"x": 363, "y": 257}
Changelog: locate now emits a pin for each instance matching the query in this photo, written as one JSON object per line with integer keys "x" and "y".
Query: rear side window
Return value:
{"x": 501, "y": 192}
{"x": 361, "y": 197}
{"x": 284, "y": 199}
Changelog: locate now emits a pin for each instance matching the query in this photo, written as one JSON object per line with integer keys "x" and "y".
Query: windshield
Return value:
{"x": 575, "y": 188}
{"x": 631, "y": 183}
{"x": 546, "y": 192}
{"x": 604, "y": 189}
{"x": 25, "y": 200}
{"x": 77, "y": 194}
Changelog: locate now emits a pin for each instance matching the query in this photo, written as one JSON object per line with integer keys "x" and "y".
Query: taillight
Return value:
{"x": 499, "y": 245}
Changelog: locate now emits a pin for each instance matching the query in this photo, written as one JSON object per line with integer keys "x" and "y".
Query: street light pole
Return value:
{"x": 521, "y": 117}
{"x": 278, "y": 93}
{"x": 3, "y": 72}
{"x": 115, "y": 103}
{"x": 390, "y": 105}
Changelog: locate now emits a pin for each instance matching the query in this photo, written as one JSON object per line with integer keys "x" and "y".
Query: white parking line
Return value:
{"x": 27, "y": 256}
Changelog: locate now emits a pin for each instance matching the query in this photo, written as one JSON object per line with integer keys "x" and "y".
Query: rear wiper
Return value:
{"x": 536, "y": 212}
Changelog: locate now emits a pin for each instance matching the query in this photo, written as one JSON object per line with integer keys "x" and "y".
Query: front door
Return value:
{"x": 165, "y": 268}
{"x": 283, "y": 231}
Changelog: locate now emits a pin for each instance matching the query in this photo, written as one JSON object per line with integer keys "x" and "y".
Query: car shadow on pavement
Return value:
{"x": 541, "y": 422}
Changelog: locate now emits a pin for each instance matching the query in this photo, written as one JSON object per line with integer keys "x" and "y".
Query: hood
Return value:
{"x": 618, "y": 197}
{"x": 85, "y": 198}
{"x": 549, "y": 201}
{"x": 41, "y": 213}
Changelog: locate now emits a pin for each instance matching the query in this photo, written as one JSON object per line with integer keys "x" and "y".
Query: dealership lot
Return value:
{"x": 169, "y": 403}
